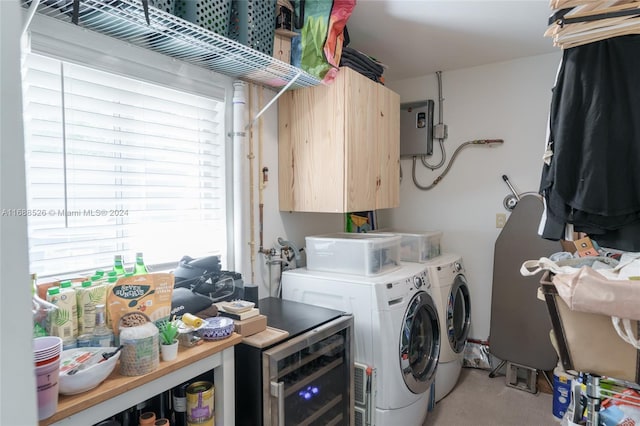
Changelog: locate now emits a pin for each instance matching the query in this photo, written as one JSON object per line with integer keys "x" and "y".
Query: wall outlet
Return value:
{"x": 501, "y": 219}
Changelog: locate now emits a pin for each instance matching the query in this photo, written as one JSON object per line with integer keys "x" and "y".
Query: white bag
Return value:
{"x": 628, "y": 335}
{"x": 600, "y": 291}
{"x": 566, "y": 266}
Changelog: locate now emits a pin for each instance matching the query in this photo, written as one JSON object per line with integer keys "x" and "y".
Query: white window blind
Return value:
{"x": 119, "y": 166}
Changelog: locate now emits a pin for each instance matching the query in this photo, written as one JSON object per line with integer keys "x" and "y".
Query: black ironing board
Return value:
{"x": 520, "y": 323}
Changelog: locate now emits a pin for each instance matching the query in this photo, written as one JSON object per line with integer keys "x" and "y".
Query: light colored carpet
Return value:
{"x": 478, "y": 400}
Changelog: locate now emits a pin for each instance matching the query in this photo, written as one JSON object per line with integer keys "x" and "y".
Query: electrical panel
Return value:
{"x": 416, "y": 128}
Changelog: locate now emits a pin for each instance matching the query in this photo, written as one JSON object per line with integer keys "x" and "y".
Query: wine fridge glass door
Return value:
{"x": 309, "y": 379}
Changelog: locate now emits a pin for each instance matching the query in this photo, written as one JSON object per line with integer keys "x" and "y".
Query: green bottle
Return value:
{"x": 39, "y": 319}
{"x": 139, "y": 268}
{"x": 118, "y": 267}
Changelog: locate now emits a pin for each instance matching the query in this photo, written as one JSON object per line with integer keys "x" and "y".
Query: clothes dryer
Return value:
{"x": 396, "y": 333}
{"x": 451, "y": 294}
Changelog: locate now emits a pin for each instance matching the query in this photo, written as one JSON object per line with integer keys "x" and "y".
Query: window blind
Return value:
{"x": 119, "y": 166}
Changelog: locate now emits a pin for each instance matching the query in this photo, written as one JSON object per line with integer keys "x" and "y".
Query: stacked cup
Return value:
{"x": 46, "y": 354}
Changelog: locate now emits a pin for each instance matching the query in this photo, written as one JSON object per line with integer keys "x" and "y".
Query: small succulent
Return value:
{"x": 168, "y": 331}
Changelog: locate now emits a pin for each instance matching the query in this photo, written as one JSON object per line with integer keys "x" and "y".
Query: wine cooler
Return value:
{"x": 306, "y": 379}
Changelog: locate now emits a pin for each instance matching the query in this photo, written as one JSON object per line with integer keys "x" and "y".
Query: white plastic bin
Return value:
{"x": 418, "y": 246}
{"x": 357, "y": 254}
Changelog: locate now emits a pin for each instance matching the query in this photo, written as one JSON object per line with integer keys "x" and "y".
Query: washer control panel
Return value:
{"x": 421, "y": 281}
{"x": 447, "y": 272}
{"x": 410, "y": 284}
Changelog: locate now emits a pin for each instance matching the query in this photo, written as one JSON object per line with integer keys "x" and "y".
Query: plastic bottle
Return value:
{"x": 60, "y": 323}
{"x": 95, "y": 279}
{"x": 140, "y": 268}
{"x": 102, "y": 335}
{"x": 41, "y": 309}
{"x": 118, "y": 266}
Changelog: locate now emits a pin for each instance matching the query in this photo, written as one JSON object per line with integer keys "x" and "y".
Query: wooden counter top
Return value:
{"x": 117, "y": 384}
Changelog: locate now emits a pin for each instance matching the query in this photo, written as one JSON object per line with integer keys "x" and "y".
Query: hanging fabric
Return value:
{"x": 319, "y": 47}
{"x": 592, "y": 179}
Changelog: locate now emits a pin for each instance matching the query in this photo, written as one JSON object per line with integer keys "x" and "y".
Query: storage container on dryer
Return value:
{"x": 349, "y": 253}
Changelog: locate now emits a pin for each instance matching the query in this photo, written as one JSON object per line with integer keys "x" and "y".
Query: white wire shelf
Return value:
{"x": 177, "y": 38}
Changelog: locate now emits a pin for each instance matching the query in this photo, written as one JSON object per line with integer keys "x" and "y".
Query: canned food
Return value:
{"x": 200, "y": 404}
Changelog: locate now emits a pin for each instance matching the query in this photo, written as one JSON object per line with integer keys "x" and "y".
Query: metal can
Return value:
{"x": 200, "y": 408}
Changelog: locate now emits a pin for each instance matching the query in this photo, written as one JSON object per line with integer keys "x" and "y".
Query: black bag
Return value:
{"x": 192, "y": 272}
{"x": 202, "y": 277}
{"x": 185, "y": 301}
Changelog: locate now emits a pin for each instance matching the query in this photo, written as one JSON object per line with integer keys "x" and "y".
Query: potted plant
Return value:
{"x": 168, "y": 339}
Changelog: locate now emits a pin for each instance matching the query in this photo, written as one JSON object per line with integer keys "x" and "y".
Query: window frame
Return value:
{"x": 69, "y": 43}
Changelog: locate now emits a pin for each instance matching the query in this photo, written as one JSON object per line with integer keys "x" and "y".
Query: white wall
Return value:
{"x": 509, "y": 101}
{"x": 17, "y": 388}
{"x": 292, "y": 226}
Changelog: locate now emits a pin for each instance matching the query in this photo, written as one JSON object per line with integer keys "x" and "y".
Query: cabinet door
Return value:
{"x": 311, "y": 149}
{"x": 339, "y": 146}
{"x": 361, "y": 129}
{"x": 388, "y": 146}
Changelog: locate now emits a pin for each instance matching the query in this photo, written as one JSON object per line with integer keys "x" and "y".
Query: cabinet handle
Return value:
{"x": 277, "y": 390}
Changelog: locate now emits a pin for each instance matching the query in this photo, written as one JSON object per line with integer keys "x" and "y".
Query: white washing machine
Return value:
{"x": 451, "y": 293}
{"x": 396, "y": 333}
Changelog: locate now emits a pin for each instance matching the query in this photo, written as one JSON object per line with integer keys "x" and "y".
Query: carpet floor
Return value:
{"x": 478, "y": 400}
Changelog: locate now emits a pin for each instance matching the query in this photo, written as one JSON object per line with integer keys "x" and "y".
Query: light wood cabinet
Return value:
{"x": 339, "y": 146}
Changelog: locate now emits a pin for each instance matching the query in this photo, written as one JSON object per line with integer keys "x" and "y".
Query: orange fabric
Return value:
{"x": 340, "y": 13}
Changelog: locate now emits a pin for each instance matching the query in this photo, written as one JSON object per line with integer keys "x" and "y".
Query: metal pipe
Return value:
{"x": 487, "y": 142}
{"x": 239, "y": 136}
{"x": 506, "y": 180}
{"x": 443, "y": 157}
{"x": 593, "y": 400}
{"x": 440, "y": 98}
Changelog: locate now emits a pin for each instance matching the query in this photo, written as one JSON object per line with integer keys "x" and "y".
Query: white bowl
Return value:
{"x": 89, "y": 371}
{"x": 216, "y": 328}
{"x": 237, "y": 306}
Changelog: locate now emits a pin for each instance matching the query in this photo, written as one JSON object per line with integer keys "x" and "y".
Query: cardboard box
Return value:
{"x": 584, "y": 247}
{"x": 251, "y": 326}
{"x": 570, "y": 245}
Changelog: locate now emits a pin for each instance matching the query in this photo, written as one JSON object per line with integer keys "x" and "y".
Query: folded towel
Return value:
{"x": 366, "y": 62}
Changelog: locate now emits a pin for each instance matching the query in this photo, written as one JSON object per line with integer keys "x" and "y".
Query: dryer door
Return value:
{"x": 420, "y": 343}
{"x": 458, "y": 314}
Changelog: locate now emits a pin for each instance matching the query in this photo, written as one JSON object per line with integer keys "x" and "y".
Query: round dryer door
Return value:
{"x": 458, "y": 314}
{"x": 420, "y": 343}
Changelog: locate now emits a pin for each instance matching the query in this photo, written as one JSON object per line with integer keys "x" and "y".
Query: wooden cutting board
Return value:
{"x": 266, "y": 338}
